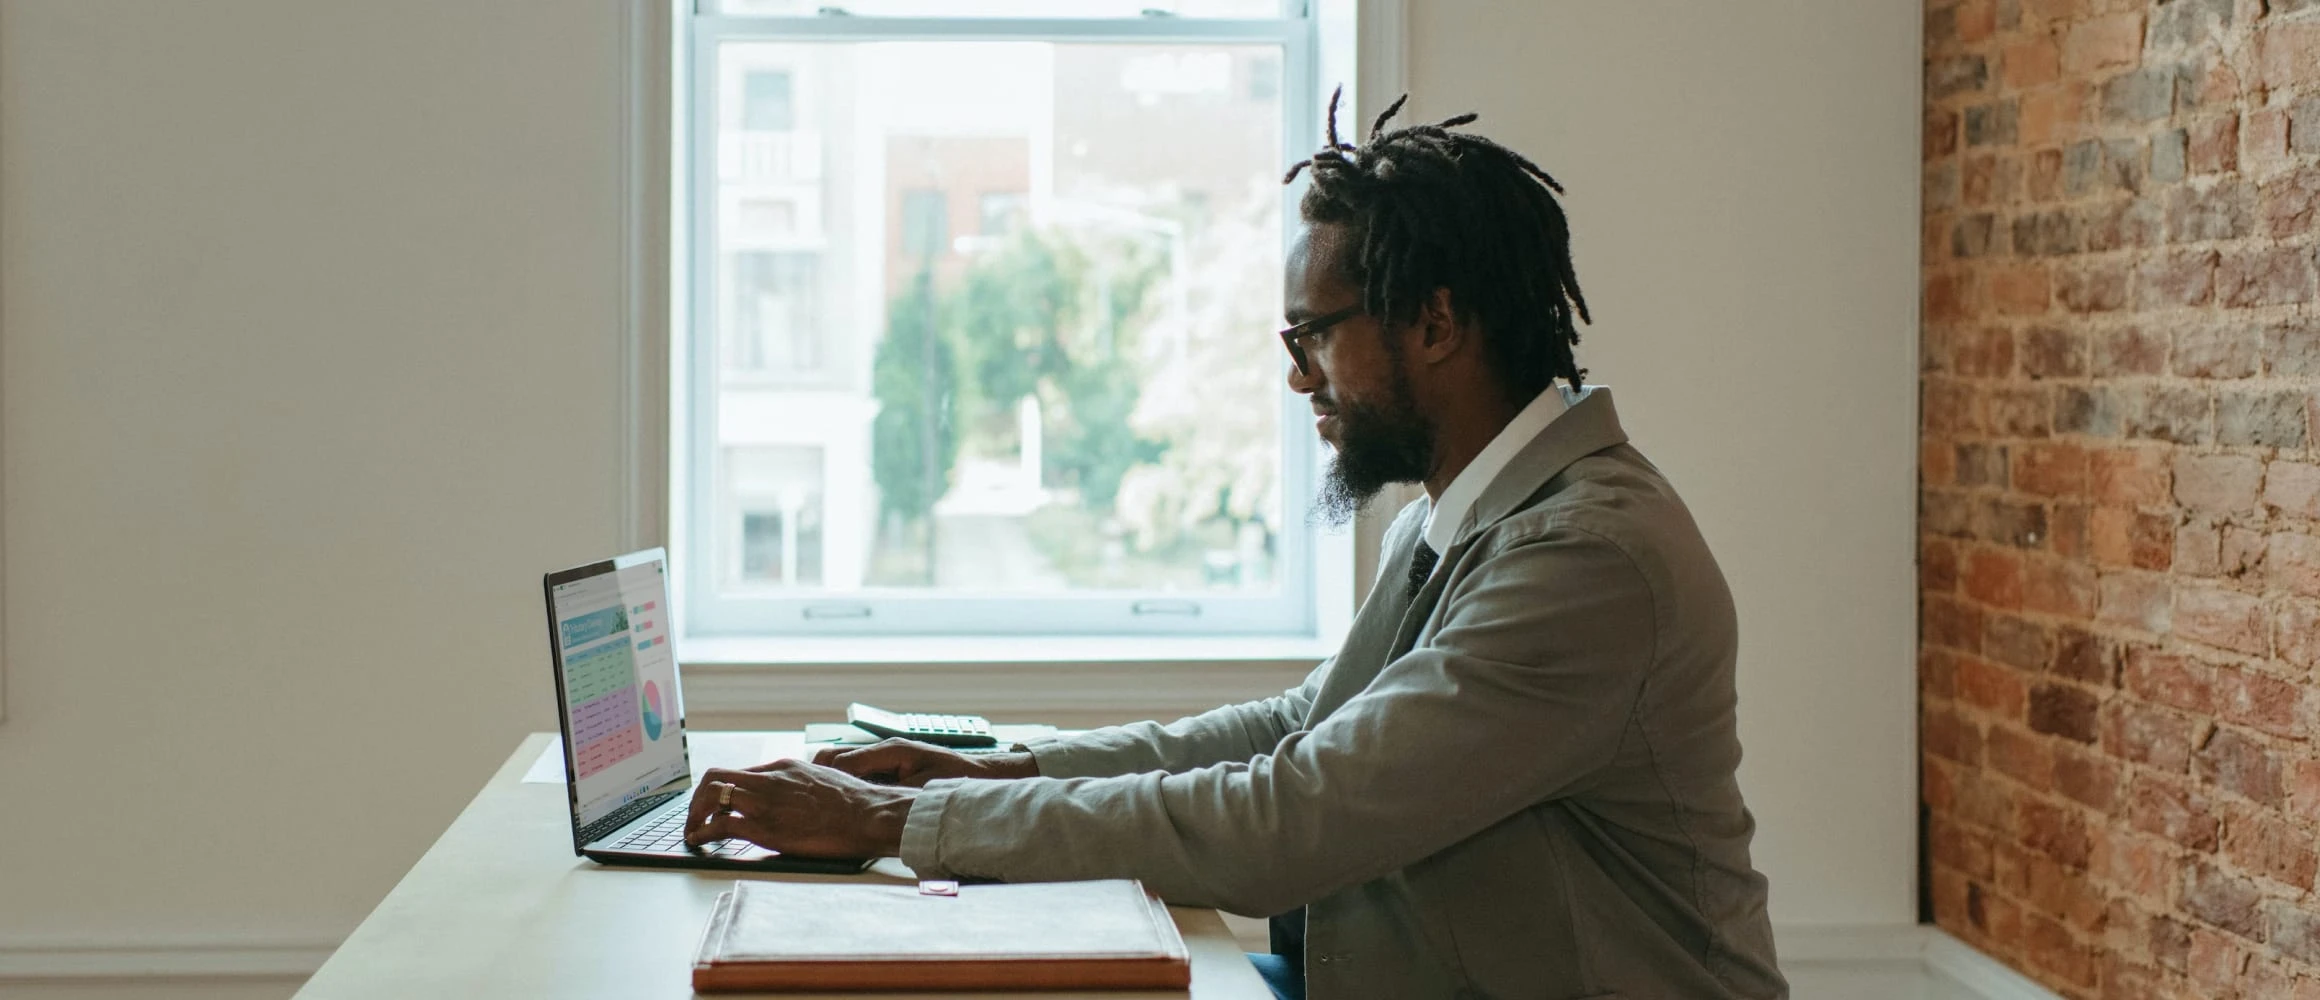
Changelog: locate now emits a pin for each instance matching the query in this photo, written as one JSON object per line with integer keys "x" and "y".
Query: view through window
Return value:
{"x": 992, "y": 318}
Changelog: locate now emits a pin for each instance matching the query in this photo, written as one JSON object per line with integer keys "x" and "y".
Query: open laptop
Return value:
{"x": 625, "y": 764}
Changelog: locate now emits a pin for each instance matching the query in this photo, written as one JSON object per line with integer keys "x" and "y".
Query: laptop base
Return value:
{"x": 769, "y": 863}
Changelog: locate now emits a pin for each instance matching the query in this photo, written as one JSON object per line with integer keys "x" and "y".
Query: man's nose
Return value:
{"x": 1304, "y": 381}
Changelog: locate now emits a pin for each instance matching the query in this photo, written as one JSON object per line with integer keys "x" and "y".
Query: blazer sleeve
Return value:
{"x": 1232, "y": 733}
{"x": 1524, "y": 694}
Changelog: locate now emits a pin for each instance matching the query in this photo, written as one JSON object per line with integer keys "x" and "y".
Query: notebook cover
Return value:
{"x": 840, "y": 936}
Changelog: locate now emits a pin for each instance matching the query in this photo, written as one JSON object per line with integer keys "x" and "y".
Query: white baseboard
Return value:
{"x": 1910, "y": 957}
{"x": 178, "y": 960}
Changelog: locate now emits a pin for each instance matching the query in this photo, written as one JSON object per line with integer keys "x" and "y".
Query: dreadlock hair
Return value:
{"x": 1431, "y": 208}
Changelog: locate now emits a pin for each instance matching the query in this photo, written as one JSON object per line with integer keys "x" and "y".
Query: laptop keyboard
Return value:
{"x": 666, "y": 835}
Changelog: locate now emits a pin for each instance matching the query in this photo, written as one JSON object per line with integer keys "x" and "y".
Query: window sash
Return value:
{"x": 1307, "y": 554}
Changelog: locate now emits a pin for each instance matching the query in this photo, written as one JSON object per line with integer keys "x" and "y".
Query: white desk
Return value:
{"x": 500, "y": 907}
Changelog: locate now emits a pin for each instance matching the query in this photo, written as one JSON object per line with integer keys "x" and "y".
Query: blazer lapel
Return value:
{"x": 1589, "y": 426}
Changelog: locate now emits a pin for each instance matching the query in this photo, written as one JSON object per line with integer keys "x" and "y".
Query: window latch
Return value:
{"x": 832, "y": 11}
{"x": 819, "y": 612}
{"x": 1156, "y": 12}
{"x": 1189, "y": 609}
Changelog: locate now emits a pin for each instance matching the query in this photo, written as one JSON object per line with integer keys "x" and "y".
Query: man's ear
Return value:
{"x": 1438, "y": 322}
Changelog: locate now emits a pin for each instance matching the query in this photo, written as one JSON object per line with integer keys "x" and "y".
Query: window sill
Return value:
{"x": 1067, "y": 680}
{"x": 931, "y": 651}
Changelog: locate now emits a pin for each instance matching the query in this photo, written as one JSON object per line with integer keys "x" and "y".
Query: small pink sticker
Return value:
{"x": 938, "y": 887}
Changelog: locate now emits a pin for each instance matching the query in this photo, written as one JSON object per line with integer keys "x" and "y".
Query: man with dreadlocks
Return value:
{"x": 1516, "y": 777}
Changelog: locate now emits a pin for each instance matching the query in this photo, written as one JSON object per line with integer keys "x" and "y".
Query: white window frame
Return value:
{"x": 1314, "y": 597}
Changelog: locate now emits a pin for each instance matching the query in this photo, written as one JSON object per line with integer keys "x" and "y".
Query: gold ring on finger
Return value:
{"x": 725, "y": 796}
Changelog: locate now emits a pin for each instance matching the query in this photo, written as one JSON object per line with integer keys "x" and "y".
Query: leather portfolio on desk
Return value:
{"x": 853, "y": 936}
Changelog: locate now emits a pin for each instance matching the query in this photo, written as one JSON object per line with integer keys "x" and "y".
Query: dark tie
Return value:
{"x": 1421, "y": 566}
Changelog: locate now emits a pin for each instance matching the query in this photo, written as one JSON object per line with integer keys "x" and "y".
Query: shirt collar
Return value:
{"x": 1443, "y": 519}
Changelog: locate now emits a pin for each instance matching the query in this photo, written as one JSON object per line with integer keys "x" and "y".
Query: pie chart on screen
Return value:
{"x": 652, "y": 711}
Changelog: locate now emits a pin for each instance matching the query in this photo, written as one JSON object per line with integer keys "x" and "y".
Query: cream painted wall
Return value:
{"x": 311, "y": 334}
{"x": 308, "y": 304}
{"x": 1743, "y": 187}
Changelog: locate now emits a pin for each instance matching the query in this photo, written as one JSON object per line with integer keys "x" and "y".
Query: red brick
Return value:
{"x": 2259, "y": 701}
{"x": 2054, "y": 470}
{"x": 2053, "y": 352}
{"x": 2130, "y": 538}
{"x": 1936, "y": 673}
{"x": 2219, "y": 351}
{"x": 2129, "y": 351}
{"x": 1937, "y": 566}
{"x": 2176, "y": 278}
{"x": 2222, "y": 484}
{"x": 2223, "y": 900}
{"x": 1994, "y": 577}
{"x": 2148, "y": 735}
{"x": 2016, "y": 642}
{"x": 1977, "y": 20}
{"x": 1935, "y": 787}
{"x": 1946, "y": 297}
{"x": 2044, "y": 183}
{"x": 2298, "y": 633}
{"x": 2135, "y": 600}
{"x": 1995, "y": 689}
{"x": 2175, "y": 811}
{"x": 2069, "y": 712}
{"x": 2214, "y": 965}
{"x": 1955, "y": 847}
{"x": 2272, "y": 276}
{"x": 2215, "y": 145}
{"x": 2265, "y": 846}
{"x": 2223, "y": 618}
{"x": 1950, "y": 408}
{"x": 2102, "y": 43}
{"x": 2304, "y": 788}
{"x": 1951, "y": 623}
{"x": 2293, "y": 488}
{"x": 1946, "y": 735}
{"x": 1987, "y": 351}
{"x": 2129, "y": 477}
{"x": 2055, "y": 587}
{"x": 2020, "y": 756}
{"x": 2066, "y": 534}
{"x": 2058, "y": 832}
{"x": 2032, "y": 62}
{"x": 2243, "y": 550}
{"x": 2133, "y": 862}
{"x": 2092, "y": 288}
{"x": 2082, "y": 656}
{"x": 2052, "y": 949}
{"x": 2264, "y": 142}
{"x": 2239, "y": 763}
{"x": 2292, "y": 561}
{"x": 2170, "y": 679}
{"x": 2291, "y": 204}
{"x": 2020, "y": 290}
{"x": 2198, "y": 549}
{"x": 2087, "y": 778}
{"x": 2288, "y": 54}
{"x": 2018, "y": 411}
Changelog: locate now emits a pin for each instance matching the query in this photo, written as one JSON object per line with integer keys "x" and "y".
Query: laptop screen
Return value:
{"x": 618, "y": 678}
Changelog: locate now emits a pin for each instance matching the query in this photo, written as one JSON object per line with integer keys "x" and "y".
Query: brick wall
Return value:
{"x": 2120, "y": 515}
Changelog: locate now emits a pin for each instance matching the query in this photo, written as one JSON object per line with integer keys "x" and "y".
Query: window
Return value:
{"x": 765, "y": 103}
{"x": 981, "y": 316}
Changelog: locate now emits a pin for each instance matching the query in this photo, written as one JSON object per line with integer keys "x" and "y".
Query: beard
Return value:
{"x": 1380, "y": 444}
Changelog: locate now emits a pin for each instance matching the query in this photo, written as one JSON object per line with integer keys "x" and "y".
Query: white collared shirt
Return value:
{"x": 1448, "y": 510}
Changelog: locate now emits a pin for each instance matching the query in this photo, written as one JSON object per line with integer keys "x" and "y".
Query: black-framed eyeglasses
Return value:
{"x": 1293, "y": 337}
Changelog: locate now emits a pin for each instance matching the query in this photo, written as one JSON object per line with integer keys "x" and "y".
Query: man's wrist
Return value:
{"x": 1006, "y": 766}
{"x": 888, "y": 818}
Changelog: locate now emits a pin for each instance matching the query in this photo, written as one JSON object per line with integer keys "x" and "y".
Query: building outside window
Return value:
{"x": 990, "y": 317}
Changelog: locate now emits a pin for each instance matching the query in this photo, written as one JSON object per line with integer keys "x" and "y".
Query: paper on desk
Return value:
{"x": 549, "y": 769}
{"x": 819, "y": 734}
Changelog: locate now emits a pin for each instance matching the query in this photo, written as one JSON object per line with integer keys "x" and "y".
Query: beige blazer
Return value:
{"x": 1518, "y": 783}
